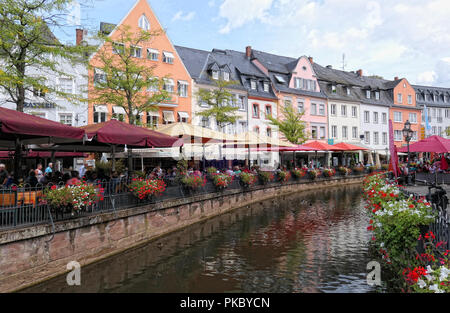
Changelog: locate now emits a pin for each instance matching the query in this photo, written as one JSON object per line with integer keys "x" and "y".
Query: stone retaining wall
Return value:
{"x": 32, "y": 255}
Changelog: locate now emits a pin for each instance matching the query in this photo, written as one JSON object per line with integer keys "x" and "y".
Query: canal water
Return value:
{"x": 308, "y": 242}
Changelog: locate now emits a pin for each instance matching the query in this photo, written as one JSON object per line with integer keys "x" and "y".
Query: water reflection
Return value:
{"x": 309, "y": 242}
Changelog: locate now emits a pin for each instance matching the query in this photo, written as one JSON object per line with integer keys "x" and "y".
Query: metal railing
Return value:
{"x": 22, "y": 207}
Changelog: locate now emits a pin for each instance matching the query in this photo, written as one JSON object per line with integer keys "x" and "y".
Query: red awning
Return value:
{"x": 119, "y": 133}
{"x": 28, "y": 127}
{"x": 285, "y": 149}
{"x": 434, "y": 144}
{"x": 43, "y": 154}
{"x": 321, "y": 146}
{"x": 348, "y": 147}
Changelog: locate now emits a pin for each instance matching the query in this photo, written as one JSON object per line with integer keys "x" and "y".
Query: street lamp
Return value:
{"x": 408, "y": 134}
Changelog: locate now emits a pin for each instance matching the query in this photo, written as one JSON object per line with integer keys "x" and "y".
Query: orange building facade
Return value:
{"x": 160, "y": 54}
{"x": 404, "y": 109}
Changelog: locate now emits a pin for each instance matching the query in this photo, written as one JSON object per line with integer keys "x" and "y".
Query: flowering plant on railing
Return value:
{"x": 248, "y": 179}
{"x": 431, "y": 274}
{"x": 193, "y": 182}
{"x": 265, "y": 177}
{"x": 284, "y": 176}
{"x": 73, "y": 198}
{"x": 329, "y": 172}
{"x": 344, "y": 170}
{"x": 144, "y": 188}
{"x": 299, "y": 173}
{"x": 211, "y": 172}
{"x": 314, "y": 173}
{"x": 222, "y": 181}
{"x": 358, "y": 169}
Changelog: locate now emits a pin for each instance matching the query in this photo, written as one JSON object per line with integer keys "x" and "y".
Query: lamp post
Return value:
{"x": 408, "y": 134}
{"x": 387, "y": 155}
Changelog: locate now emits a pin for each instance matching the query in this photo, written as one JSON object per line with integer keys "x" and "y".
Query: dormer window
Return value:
{"x": 368, "y": 94}
{"x": 266, "y": 87}
{"x": 348, "y": 91}
{"x": 333, "y": 89}
{"x": 215, "y": 75}
{"x": 253, "y": 84}
{"x": 226, "y": 76}
{"x": 144, "y": 23}
{"x": 280, "y": 79}
{"x": 377, "y": 95}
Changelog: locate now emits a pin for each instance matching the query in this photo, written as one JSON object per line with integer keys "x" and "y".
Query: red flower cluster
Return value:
{"x": 142, "y": 188}
{"x": 412, "y": 276}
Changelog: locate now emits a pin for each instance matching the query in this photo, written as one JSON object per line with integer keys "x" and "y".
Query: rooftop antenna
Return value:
{"x": 344, "y": 64}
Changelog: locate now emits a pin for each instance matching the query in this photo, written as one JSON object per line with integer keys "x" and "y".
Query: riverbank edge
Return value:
{"x": 31, "y": 256}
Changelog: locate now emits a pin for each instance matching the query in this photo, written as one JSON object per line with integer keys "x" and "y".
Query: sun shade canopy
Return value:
{"x": 434, "y": 144}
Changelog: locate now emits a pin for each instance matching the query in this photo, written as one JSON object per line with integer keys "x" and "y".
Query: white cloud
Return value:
{"x": 388, "y": 37}
{"x": 426, "y": 78}
{"x": 211, "y": 3}
{"x": 239, "y": 12}
{"x": 186, "y": 17}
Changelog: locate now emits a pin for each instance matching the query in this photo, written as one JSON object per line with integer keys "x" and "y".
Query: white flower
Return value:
{"x": 429, "y": 270}
{"x": 436, "y": 289}
{"x": 421, "y": 283}
{"x": 444, "y": 273}
{"x": 429, "y": 277}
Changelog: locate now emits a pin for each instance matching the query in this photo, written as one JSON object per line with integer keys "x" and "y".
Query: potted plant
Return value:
{"x": 222, "y": 181}
{"x": 284, "y": 176}
{"x": 193, "y": 183}
{"x": 329, "y": 172}
{"x": 211, "y": 171}
{"x": 299, "y": 173}
{"x": 265, "y": 177}
{"x": 314, "y": 173}
{"x": 146, "y": 188}
{"x": 358, "y": 169}
{"x": 344, "y": 170}
{"x": 248, "y": 179}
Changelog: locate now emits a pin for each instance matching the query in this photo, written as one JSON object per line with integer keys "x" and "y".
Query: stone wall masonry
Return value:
{"x": 32, "y": 255}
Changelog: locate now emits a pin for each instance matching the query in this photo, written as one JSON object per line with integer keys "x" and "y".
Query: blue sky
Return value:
{"x": 404, "y": 38}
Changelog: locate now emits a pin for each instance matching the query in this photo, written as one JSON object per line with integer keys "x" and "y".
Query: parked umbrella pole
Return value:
{"x": 113, "y": 157}
{"x": 17, "y": 158}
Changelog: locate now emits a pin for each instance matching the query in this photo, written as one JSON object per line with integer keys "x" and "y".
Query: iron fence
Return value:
{"x": 22, "y": 207}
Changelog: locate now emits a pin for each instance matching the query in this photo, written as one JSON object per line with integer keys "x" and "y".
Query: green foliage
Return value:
{"x": 128, "y": 78}
{"x": 265, "y": 177}
{"x": 27, "y": 46}
{"x": 220, "y": 101}
{"x": 292, "y": 127}
{"x": 248, "y": 179}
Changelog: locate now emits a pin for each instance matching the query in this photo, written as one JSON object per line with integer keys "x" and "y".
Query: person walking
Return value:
{"x": 3, "y": 175}
{"x": 38, "y": 172}
{"x": 49, "y": 169}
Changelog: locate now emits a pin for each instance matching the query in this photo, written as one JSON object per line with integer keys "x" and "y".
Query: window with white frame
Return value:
{"x": 241, "y": 103}
{"x": 255, "y": 110}
{"x": 333, "y": 109}
{"x": 349, "y": 92}
{"x": 413, "y": 117}
{"x": 266, "y": 87}
{"x": 410, "y": 99}
{"x": 398, "y": 135}
{"x": 333, "y": 89}
{"x": 375, "y": 117}
{"x": 118, "y": 48}
{"x": 300, "y": 105}
{"x": 215, "y": 75}
{"x": 354, "y": 111}
{"x": 376, "y": 138}
{"x": 439, "y": 130}
{"x": 354, "y": 132}
{"x": 398, "y": 117}
{"x": 144, "y": 23}
{"x": 399, "y": 98}
{"x": 366, "y": 116}
{"x": 253, "y": 84}
{"x": 226, "y": 76}
{"x": 343, "y": 110}
{"x": 367, "y": 138}
{"x": 414, "y": 137}
{"x": 377, "y": 95}
{"x": 205, "y": 122}
{"x": 65, "y": 118}
{"x": 313, "y": 109}
{"x": 169, "y": 85}
{"x": 66, "y": 85}
{"x": 100, "y": 113}
{"x": 322, "y": 132}
{"x": 136, "y": 51}
{"x": 314, "y": 132}
{"x": 368, "y": 94}
{"x": 153, "y": 84}
{"x": 152, "y": 119}
{"x": 168, "y": 57}
{"x": 334, "y": 133}
{"x": 298, "y": 82}
{"x": 322, "y": 109}
{"x": 183, "y": 89}
{"x": 434, "y": 130}
{"x": 152, "y": 54}
{"x": 384, "y": 118}
{"x": 99, "y": 77}
{"x": 385, "y": 138}
{"x": 344, "y": 132}
{"x": 268, "y": 111}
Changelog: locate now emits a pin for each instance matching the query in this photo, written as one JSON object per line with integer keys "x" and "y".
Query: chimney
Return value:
{"x": 395, "y": 78}
{"x": 330, "y": 67}
{"x": 360, "y": 73}
{"x": 248, "y": 52}
{"x": 80, "y": 35}
{"x": 311, "y": 60}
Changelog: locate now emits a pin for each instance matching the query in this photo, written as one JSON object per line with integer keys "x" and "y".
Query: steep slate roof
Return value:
{"x": 198, "y": 62}
{"x": 342, "y": 79}
{"x": 283, "y": 66}
{"x": 429, "y": 91}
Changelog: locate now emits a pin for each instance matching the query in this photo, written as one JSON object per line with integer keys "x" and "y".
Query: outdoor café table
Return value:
{"x": 24, "y": 197}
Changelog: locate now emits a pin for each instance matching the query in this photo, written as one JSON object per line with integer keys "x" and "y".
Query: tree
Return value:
{"x": 221, "y": 103}
{"x": 292, "y": 127}
{"x": 126, "y": 77}
{"x": 29, "y": 52}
